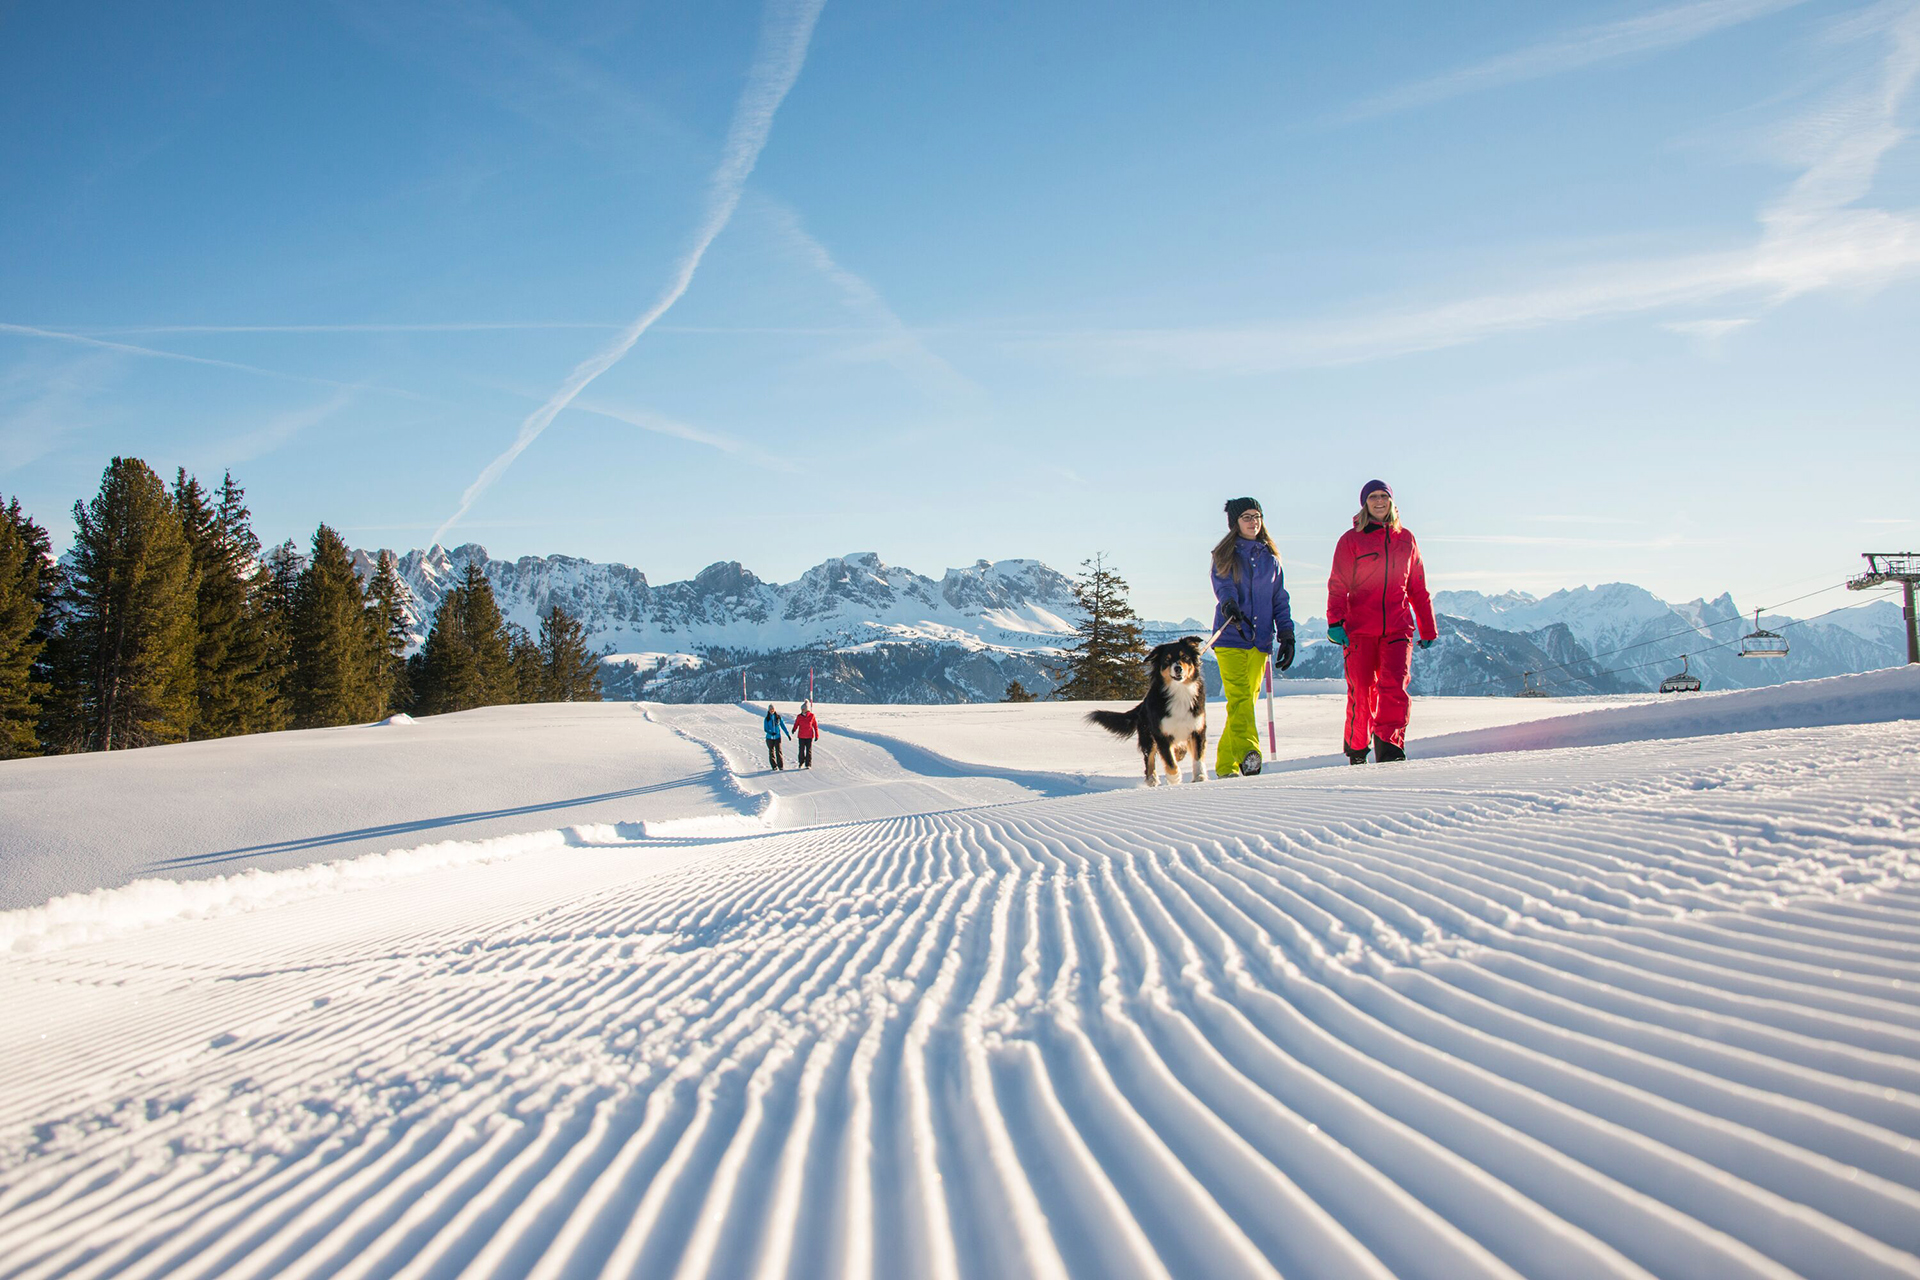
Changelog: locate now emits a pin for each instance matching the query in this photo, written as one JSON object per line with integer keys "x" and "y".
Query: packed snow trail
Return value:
{"x": 857, "y": 775}
{"x": 1617, "y": 1011}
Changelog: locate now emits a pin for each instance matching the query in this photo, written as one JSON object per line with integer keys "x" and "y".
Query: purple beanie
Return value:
{"x": 1374, "y": 486}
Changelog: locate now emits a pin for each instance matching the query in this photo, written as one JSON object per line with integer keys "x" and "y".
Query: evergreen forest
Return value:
{"x": 168, "y": 622}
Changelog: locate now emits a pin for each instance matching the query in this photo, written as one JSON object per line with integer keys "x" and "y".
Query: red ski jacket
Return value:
{"x": 805, "y": 726}
{"x": 1377, "y": 575}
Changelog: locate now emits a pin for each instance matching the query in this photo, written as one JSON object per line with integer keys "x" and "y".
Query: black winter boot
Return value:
{"x": 1384, "y": 752}
{"x": 1355, "y": 755}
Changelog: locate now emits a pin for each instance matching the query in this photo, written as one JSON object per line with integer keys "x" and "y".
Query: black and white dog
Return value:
{"x": 1171, "y": 721}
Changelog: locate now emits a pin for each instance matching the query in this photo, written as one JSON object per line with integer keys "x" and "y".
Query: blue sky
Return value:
{"x": 1608, "y": 292}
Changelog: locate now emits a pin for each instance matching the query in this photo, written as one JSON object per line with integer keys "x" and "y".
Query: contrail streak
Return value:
{"x": 784, "y": 35}
{"x": 469, "y": 326}
{"x": 1644, "y": 34}
{"x": 127, "y": 348}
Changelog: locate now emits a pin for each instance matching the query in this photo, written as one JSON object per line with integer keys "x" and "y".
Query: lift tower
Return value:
{"x": 1885, "y": 567}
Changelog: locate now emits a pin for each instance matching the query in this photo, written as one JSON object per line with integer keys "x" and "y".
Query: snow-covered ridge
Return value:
{"x": 848, "y": 600}
{"x": 899, "y": 636}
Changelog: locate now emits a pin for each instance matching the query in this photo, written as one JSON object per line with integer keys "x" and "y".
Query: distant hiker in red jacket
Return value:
{"x": 806, "y": 729}
{"x": 1376, "y": 594}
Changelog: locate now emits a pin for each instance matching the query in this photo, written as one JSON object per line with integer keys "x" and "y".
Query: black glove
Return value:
{"x": 1231, "y": 612}
{"x": 1285, "y": 659}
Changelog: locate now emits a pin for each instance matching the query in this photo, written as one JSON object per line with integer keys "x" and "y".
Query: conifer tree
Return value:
{"x": 62, "y": 721}
{"x": 271, "y": 591}
{"x": 1108, "y": 659}
{"x": 523, "y": 656}
{"x": 444, "y": 679}
{"x": 466, "y": 662}
{"x": 128, "y": 615}
{"x": 228, "y": 652}
{"x": 334, "y": 667}
{"x": 247, "y": 671}
{"x": 571, "y": 671}
{"x": 388, "y": 604}
{"x": 1016, "y": 692}
{"x": 24, "y": 566}
{"x": 417, "y": 679}
{"x": 486, "y": 632}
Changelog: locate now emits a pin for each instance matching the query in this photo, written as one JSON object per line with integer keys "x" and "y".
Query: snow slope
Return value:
{"x": 288, "y": 799}
{"x": 283, "y": 800}
{"x": 1892, "y": 693}
{"x": 1606, "y": 1010}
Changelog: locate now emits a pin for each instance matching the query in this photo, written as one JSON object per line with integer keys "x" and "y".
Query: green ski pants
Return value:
{"x": 1240, "y": 672}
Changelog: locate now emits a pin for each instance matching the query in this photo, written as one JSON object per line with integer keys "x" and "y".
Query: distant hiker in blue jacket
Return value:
{"x": 776, "y": 726}
{"x": 1252, "y": 616}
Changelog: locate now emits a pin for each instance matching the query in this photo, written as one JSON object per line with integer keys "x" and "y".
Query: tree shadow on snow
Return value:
{"x": 391, "y": 829}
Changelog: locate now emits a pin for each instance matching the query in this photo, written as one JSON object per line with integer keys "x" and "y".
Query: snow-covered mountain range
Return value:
{"x": 874, "y": 632}
{"x": 1625, "y": 626}
{"x": 852, "y": 599}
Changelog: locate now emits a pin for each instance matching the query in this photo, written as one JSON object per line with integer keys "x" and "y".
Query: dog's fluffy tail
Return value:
{"x": 1121, "y": 724}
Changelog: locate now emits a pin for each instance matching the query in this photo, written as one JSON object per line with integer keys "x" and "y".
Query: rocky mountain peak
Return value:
{"x": 723, "y": 579}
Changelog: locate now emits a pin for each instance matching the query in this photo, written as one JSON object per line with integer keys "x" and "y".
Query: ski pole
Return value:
{"x": 1273, "y": 749}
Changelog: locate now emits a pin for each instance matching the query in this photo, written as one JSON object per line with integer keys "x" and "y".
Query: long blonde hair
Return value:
{"x": 1393, "y": 515}
{"x": 1227, "y": 564}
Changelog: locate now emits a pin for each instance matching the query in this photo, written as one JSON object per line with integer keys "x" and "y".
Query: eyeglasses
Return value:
{"x": 1249, "y": 515}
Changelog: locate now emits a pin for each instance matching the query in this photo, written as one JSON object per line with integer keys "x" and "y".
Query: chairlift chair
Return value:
{"x": 1681, "y": 683}
{"x": 1527, "y": 690}
{"x": 1762, "y": 643}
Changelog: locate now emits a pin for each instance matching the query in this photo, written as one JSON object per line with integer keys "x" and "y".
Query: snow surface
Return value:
{"x": 965, "y": 1001}
{"x": 280, "y": 800}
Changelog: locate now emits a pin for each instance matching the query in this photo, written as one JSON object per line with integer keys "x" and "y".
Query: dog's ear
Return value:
{"x": 1195, "y": 641}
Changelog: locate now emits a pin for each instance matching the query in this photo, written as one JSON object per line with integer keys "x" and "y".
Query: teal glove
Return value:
{"x": 1337, "y": 634}
{"x": 1426, "y": 644}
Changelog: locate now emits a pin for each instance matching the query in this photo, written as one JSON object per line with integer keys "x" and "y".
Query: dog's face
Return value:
{"x": 1177, "y": 661}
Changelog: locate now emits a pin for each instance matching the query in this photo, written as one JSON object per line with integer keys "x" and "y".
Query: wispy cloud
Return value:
{"x": 785, "y": 33}
{"x": 1813, "y": 237}
{"x": 1548, "y": 540}
{"x": 44, "y": 400}
{"x": 1495, "y": 581}
{"x": 276, "y": 431}
{"x": 888, "y": 337}
{"x": 127, "y": 348}
{"x": 1647, "y": 33}
{"x": 478, "y": 326}
{"x": 1573, "y": 518}
{"x": 664, "y": 426}
{"x": 875, "y": 328}
{"x": 1707, "y": 329}
{"x": 497, "y": 53}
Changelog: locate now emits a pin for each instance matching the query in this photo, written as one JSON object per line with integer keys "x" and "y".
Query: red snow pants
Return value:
{"x": 1378, "y": 668}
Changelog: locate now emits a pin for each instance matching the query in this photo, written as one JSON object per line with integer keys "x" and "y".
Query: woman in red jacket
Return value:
{"x": 806, "y": 728}
{"x": 1376, "y": 595}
